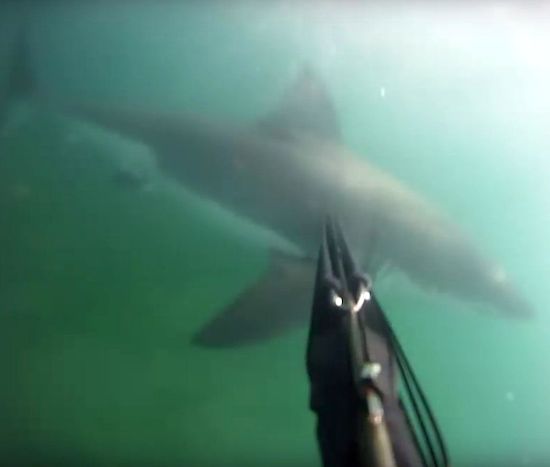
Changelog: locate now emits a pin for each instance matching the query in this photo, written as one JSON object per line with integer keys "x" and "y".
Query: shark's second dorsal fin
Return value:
{"x": 306, "y": 107}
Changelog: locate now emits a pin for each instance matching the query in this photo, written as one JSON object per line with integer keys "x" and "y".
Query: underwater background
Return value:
{"x": 101, "y": 287}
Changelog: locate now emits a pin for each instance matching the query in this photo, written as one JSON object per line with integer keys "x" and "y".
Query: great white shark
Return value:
{"x": 286, "y": 172}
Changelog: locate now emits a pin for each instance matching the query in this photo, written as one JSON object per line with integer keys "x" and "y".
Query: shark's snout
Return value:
{"x": 507, "y": 297}
{"x": 515, "y": 305}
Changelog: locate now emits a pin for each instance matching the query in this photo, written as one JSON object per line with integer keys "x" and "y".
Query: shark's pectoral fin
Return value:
{"x": 277, "y": 302}
{"x": 306, "y": 107}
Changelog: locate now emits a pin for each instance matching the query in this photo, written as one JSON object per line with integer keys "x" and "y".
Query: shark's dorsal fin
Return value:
{"x": 306, "y": 107}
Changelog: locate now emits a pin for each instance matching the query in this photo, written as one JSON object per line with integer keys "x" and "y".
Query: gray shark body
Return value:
{"x": 287, "y": 172}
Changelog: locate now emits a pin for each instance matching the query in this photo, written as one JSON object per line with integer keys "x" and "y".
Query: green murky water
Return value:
{"x": 102, "y": 288}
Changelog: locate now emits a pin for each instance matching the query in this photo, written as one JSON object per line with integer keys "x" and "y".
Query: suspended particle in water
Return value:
{"x": 383, "y": 92}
